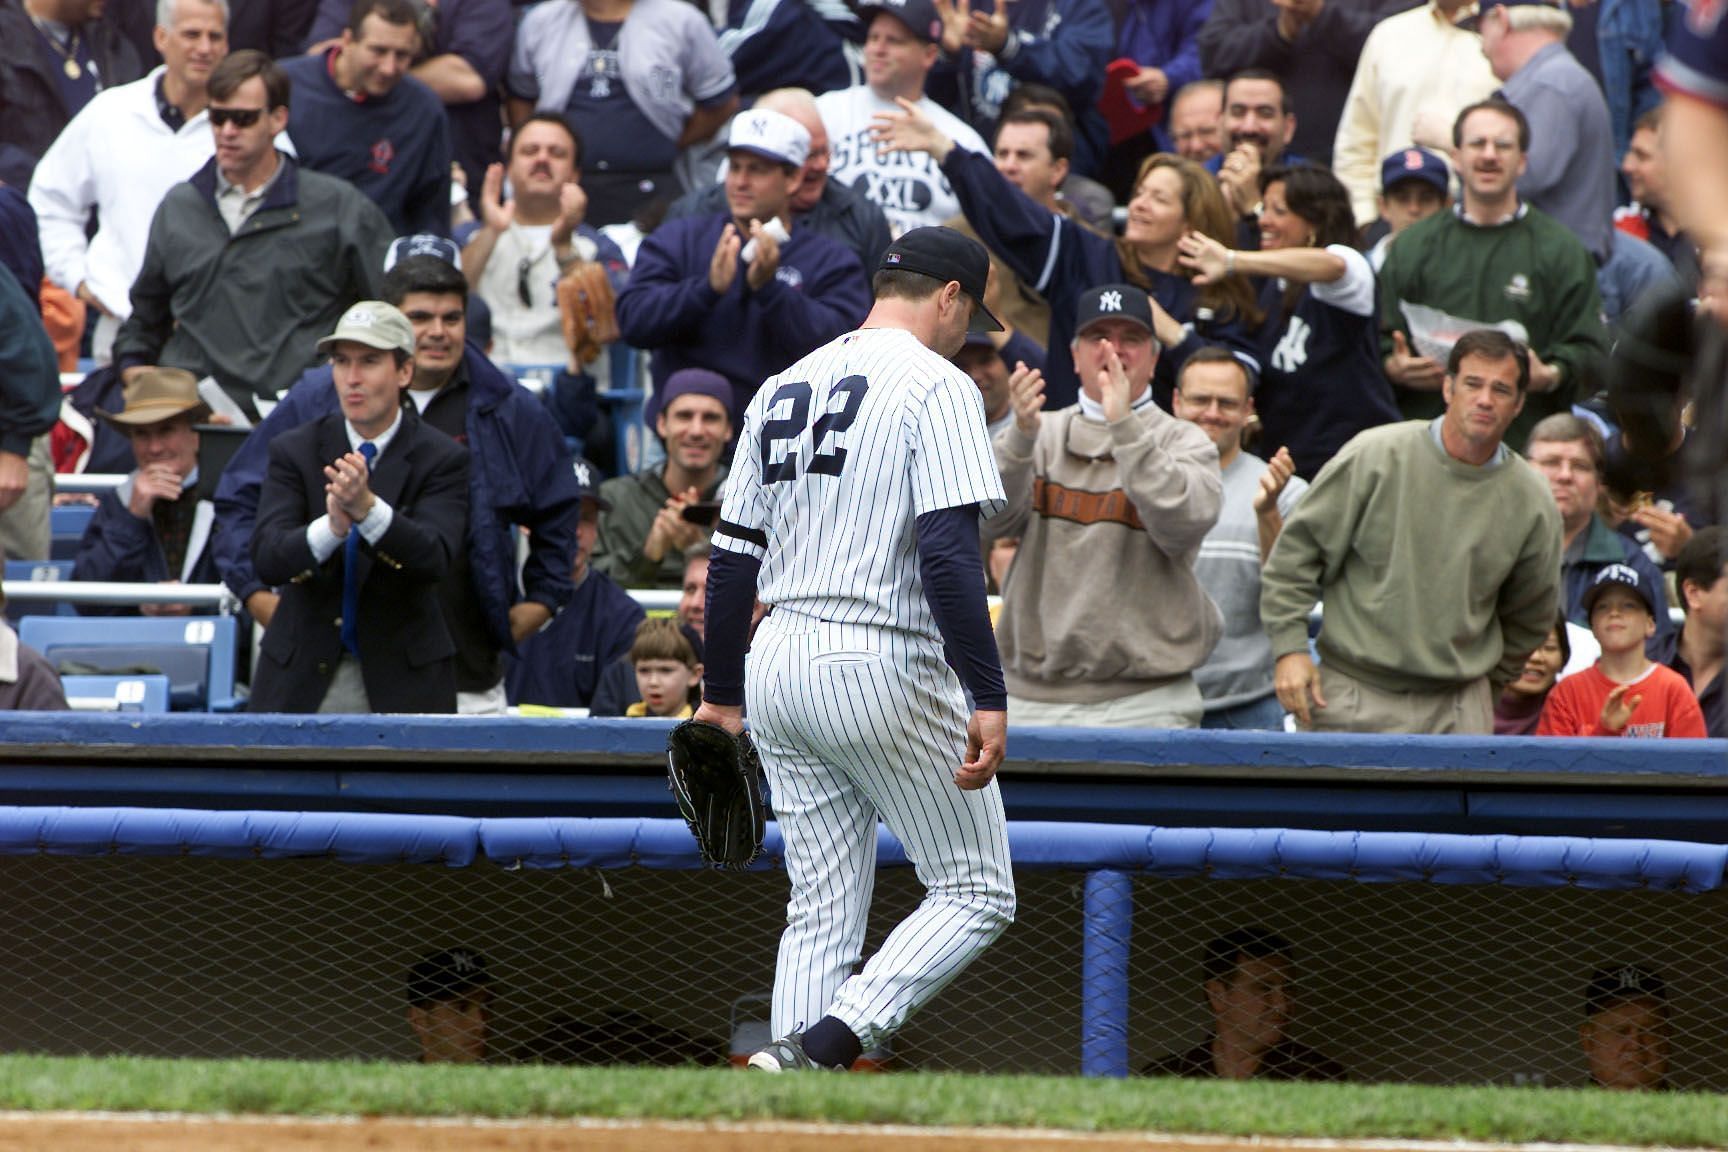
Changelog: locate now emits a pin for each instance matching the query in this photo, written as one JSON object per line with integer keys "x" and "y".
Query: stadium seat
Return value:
{"x": 66, "y": 524}
{"x": 116, "y": 693}
{"x": 31, "y": 571}
{"x": 196, "y": 652}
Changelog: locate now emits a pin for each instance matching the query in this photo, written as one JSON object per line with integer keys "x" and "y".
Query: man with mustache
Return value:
{"x": 1494, "y": 259}
{"x": 1259, "y": 120}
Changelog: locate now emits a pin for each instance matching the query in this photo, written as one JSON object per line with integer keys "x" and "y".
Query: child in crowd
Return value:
{"x": 1624, "y": 693}
{"x": 1519, "y": 708}
{"x": 668, "y": 670}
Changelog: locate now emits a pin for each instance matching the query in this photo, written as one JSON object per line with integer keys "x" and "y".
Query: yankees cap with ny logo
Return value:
{"x": 1113, "y": 302}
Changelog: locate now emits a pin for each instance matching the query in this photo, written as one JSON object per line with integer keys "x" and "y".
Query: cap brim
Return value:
{"x": 382, "y": 343}
{"x": 982, "y": 321}
{"x": 765, "y": 154}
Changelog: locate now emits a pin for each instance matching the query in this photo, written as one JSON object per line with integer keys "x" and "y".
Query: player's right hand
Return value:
{"x": 986, "y": 745}
{"x": 1297, "y": 681}
{"x": 723, "y": 268}
{"x": 1026, "y": 394}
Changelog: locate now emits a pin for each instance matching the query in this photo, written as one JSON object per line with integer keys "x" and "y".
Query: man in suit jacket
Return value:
{"x": 377, "y": 643}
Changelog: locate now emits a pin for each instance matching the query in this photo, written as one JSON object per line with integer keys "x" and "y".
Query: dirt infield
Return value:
{"x": 97, "y": 1132}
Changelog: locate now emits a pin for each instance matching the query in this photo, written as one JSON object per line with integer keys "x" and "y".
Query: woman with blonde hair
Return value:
{"x": 1060, "y": 258}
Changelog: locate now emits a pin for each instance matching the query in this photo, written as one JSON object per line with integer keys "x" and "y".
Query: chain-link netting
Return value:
{"x": 311, "y": 959}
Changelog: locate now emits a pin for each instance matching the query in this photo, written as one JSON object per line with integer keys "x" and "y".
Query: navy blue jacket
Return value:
{"x": 394, "y": 148}
{"x": 1059, "y": 258}
{"x": 790, "y": 44}
{"x": 519, "y": 474}
{"x": 119, "y": 546}
{"x": 561, "y": 665}
{"x": 843, "y": 215}
{"x": 1064, "y": 44}
{"x": 818, "y": 294}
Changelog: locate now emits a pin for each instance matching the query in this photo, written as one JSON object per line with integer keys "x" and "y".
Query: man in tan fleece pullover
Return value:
{"x": 1437, "y": 552}
{"x": 1102, "y": 619}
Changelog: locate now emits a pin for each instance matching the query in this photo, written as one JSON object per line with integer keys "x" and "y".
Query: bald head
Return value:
{"x": 800, "y": 105}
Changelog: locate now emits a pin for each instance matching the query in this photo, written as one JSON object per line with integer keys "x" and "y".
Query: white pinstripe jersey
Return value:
{"x": 839, "y": 456}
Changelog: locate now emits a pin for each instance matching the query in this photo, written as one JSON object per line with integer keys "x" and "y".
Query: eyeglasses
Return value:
{"x": 522, "y": 292}
{"x": 239, "y": 117}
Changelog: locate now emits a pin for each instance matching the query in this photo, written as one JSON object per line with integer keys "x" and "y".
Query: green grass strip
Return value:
{"x": 1195, "y": 1107}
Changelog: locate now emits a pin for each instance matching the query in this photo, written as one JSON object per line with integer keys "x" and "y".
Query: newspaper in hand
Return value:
{"x": 1433, "y": 332}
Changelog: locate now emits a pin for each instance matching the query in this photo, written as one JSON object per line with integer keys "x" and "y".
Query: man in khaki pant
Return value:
{"x": 1436, "y": 550}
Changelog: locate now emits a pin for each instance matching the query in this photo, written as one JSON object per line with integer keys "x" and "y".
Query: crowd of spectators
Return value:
{"x": 1400, "y": 307}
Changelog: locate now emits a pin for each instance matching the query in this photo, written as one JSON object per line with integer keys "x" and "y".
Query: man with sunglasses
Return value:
{"x": 514, "y": 259}
{"x": 252, "y": 260}
{"x": 519, "y": 474}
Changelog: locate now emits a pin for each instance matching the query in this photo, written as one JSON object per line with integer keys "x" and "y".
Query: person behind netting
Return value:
{"x": 1103, "y": 621}
{"x": 668, "y": 670}
{"x": 1320, "y": 379}
{"x": 1626, "y": 1029}
{"x": 520, "y": 476}
{"x": 561, "y": 665}
{"x": 1216, "y": 392}
{"x": 617, "y": 689}
{"x": 1696, "y": 651}
{"x": 156, "y": 526}
{"x": 449, "y": 998}
{"x": 1435, "y": 521}
{"x": 1518, "y": 710}
{"x": 1624, "y": 693}
{"x": 1062, "y": 259}
{"x": 1246, "y": 977}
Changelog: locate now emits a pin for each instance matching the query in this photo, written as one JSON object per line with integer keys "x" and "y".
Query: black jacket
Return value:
{"x": 32, "y": 112}
{"x": 407, "y": 657}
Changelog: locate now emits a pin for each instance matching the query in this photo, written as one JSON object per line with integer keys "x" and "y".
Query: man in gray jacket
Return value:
{"x": 254, "y": 258}
{"x": 1103, "y": 621}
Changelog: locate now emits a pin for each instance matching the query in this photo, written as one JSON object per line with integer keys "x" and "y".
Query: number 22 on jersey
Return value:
{"x": 827, "y": 458}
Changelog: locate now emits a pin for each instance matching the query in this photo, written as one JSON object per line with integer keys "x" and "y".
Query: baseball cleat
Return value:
{"x": 784, "y": 1055}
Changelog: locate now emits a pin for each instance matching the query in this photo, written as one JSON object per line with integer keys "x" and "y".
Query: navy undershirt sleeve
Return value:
{"x": 953, "y": 571}
{"x": 731, "y": 600}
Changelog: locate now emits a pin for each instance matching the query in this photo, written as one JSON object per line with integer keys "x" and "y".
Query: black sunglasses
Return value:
{"x": 522, "y": 292}
{"x": 239, "y": 117}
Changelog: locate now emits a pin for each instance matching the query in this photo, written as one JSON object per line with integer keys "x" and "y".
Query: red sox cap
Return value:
{"x": 1415, "y": 164}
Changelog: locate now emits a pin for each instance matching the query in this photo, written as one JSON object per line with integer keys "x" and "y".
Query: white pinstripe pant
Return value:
{"x": 851, "y": 722}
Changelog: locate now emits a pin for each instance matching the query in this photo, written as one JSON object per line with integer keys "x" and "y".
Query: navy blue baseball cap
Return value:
{"x": 1618, "y": 576}
{"x": 918, "y": 15}
{"x": 1608, "y": 986}
{"x": 1415, "y": 164}
{"x": 1113, "y": 302}
{"x": 422, "y": 244}
{"x": 446, "y": 975}
{"x": 944, "y": 254}
{"x": 588, "y": 483}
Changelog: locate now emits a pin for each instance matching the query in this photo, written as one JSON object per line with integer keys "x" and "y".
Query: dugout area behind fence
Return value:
{"x": 258, "y": 887}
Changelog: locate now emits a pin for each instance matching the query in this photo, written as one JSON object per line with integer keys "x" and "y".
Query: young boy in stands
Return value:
{"x": 668, "y": 670}
{"x": 1624, "y": 693}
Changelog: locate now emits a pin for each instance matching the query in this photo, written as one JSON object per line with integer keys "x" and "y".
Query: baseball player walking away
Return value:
{"x": 852, "y": 511}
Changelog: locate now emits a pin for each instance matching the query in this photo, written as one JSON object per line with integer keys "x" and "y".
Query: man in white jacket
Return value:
{"x": 120, "y": 155}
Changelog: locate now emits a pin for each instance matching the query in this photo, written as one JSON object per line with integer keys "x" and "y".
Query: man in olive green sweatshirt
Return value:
{"x": 1436, "y": 551}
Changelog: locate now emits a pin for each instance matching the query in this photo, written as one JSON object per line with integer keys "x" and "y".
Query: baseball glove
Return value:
{"x": 717, "y": 779}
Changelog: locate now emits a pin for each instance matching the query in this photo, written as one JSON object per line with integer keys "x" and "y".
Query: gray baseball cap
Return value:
{"x": 374, "y": 324}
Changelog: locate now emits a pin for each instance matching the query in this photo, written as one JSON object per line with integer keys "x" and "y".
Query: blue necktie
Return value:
{"x": 351, "y": 571}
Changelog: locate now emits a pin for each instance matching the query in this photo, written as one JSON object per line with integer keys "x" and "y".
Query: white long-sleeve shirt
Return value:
{"x": 119, "y": 157}
{"x": 1416, "y": 64}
